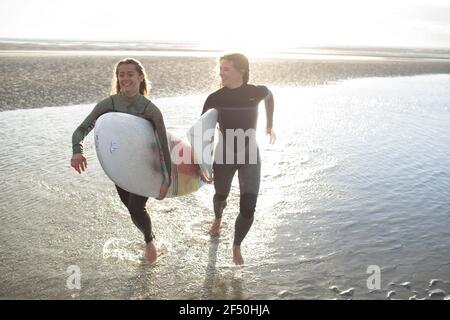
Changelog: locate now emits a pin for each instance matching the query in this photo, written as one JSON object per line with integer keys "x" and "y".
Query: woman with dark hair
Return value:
{"x": 237, "y": 102}
{"x": 129, "y": 89}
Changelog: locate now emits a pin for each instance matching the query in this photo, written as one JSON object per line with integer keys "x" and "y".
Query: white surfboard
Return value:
{"x": 201, "y": 137}
{"x": 128, "y": 152}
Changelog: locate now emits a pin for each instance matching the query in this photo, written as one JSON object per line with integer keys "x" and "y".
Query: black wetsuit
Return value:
{"x": 238, "y": 110}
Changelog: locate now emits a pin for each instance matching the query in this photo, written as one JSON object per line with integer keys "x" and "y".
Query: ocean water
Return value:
{"x": 358, "y": 180}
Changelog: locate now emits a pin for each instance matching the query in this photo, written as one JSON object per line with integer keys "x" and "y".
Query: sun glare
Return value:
{"x": 303, "y": 24}
{"x": 250, "y": 26}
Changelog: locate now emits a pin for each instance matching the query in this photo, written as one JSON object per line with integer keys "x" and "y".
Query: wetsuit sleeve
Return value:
{"x": 88, "y": 124}
{"x": 154, "y": 115}
{"x": 208, "y": 105}
{"x": 270, "y": 104}
{"x": 261, "y": 92}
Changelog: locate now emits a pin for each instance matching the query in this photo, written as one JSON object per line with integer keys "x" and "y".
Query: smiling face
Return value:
{"x": 231, "y": 77}
{"x": 129, "y": 79}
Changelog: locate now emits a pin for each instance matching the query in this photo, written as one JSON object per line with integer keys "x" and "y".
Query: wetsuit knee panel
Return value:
{"x": 219, "y": 197}
{"x": 136, "y": 209}
{"x": 248, "y": 204}
{"x": 220, "y": 203}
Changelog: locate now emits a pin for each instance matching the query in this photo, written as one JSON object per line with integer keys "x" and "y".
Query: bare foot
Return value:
{"x": 215, "y": 227}
{"x": 237, "y": 257}
{"x": 150, "y": 252}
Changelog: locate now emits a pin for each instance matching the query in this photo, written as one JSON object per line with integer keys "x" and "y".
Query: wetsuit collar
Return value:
{"x": 131, "y": 99}
{"x": 241, "y": 86}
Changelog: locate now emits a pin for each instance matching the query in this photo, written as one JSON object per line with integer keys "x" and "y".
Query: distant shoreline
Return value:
{"x": 22, "y": 47}
{"x": 34, "y": 79}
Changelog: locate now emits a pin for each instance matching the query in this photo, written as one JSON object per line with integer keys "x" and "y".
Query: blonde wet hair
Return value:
{"x": 240, "y": 63}
{"x": 144, "y": 87}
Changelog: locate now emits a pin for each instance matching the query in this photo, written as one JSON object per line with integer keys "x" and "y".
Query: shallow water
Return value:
{"x": 359, "y": 177}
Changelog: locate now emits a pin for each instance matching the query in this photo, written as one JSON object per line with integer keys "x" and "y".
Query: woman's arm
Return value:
{"x": 270, "y": 104}
{"x": 78, "y": 161}
{"x": 156, "y": 118}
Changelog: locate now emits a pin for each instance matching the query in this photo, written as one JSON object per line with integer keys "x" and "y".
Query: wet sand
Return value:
{"x": 40, "y": 80}
{"x": 358, "y": 178}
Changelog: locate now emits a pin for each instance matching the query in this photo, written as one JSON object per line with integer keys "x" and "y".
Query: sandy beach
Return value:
{"x": 31, "y": 80}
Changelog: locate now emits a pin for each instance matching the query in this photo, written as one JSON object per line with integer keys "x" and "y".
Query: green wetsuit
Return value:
{"x": 137, "y": 105}
{"x": 142, "y": 107}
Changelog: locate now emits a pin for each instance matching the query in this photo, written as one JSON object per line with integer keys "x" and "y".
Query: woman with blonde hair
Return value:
{"x": 237, "y": 103}
{"x": 130, "y": 87}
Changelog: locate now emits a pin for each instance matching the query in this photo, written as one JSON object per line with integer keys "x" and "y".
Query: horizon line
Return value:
{"x": 216, "y": 47}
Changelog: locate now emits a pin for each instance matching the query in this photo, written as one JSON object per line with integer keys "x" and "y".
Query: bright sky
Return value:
{"x": 246, "y": 24}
